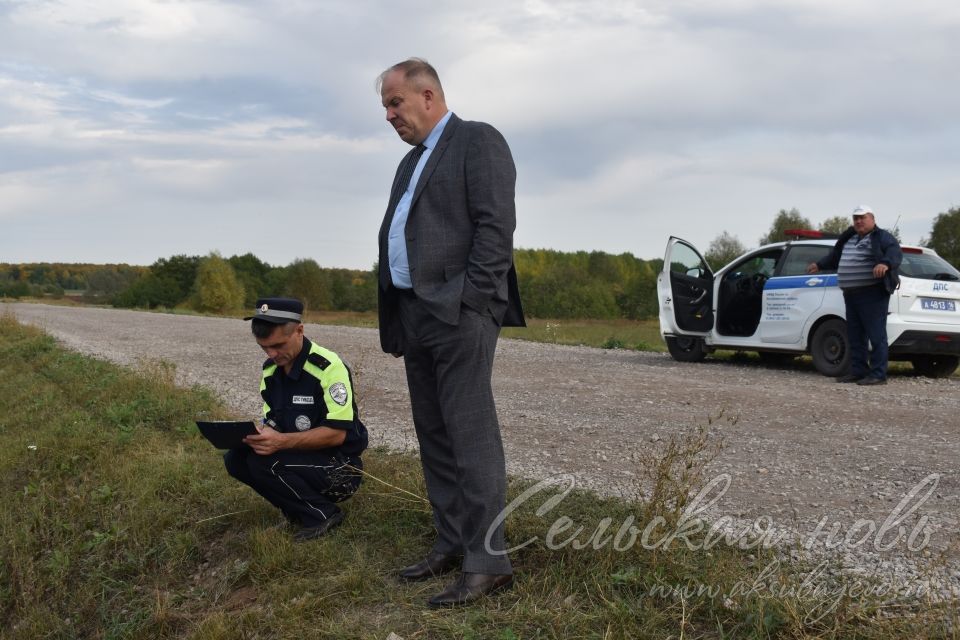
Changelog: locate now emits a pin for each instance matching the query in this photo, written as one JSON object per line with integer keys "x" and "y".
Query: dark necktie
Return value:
{"x": 404, "y": 182}
{"x": 405, "y": 175}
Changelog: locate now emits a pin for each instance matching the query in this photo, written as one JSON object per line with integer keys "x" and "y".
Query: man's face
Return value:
{"x": 409, "y": 110}
{"x": 283, "y": 344}
{"x": 864, "y": 224}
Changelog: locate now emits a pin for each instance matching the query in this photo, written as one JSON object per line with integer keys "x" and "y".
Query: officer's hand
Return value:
{"x": 812, "y": 267}
{"x": 880, "y": 270}
{"x": 268, "y": 441}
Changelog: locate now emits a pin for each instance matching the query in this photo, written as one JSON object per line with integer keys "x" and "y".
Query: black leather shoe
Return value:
{"x": 433, "y": 565}
{"x": 871, "y": 381}
{"x": 849, "y": 378}
{"x": 312, "y": 533}
{"x": 470, "y": 587}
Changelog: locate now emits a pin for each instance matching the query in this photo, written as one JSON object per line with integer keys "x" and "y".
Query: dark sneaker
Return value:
{"x": 312, "y": 533}
{"x": 849, "y": 378}
{"x": 871, "y": 381}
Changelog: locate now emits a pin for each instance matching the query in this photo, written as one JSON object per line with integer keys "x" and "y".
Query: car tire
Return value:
{"x": 686, "y": 348}
{"x": 829, "y": 348}
{"x": 935, "y": 366}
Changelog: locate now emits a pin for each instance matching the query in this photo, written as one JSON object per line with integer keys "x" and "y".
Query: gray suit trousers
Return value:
{"x": 448, "y": 372}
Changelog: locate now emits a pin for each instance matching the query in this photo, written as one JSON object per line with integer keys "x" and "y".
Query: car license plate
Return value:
{"x": 938, "y": 305}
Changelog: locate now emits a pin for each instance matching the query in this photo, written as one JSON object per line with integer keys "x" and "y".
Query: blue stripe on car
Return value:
{"x": 799, "y": 282}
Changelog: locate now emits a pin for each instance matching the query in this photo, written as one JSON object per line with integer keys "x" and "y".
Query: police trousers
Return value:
{"x": 304, "y": 485}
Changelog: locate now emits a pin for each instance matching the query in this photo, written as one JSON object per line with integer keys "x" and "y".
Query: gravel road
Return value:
{"x": 802, "y": 449}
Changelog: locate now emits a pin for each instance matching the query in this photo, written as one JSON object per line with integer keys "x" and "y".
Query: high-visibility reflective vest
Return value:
{"x": 324, "y": 374}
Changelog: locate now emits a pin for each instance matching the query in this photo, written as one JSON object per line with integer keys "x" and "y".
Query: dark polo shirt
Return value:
{"x": 318, "y": 392}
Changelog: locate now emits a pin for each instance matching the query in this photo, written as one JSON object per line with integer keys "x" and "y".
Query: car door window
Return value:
{"x": 685, "y": 260}
{"x": 799, "y": 257}
{"x": 763, "y": 263}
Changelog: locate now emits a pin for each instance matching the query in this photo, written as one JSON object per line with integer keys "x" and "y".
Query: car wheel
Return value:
{"x": 829, "y": 348}
{"x": 935, "y": 366}
{"x": 686, "y": 349}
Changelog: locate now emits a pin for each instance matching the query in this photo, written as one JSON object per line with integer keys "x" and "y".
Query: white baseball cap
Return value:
{"x": 862, "y": 210}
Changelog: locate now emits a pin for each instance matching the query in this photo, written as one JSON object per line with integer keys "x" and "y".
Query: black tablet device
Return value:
{"x": 226, "y": 434}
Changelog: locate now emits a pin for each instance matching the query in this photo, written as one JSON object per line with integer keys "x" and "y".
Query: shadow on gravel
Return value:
{"x": 801, "y": 364}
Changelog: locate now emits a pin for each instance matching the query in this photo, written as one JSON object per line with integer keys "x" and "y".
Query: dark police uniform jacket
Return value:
{"x": 318, "y": 392}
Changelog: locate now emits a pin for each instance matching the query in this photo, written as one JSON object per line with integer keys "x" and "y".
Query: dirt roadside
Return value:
{"x": 803, "y": 450}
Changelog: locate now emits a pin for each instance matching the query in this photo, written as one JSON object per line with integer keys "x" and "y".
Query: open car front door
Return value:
{"x": 685, "y": 291}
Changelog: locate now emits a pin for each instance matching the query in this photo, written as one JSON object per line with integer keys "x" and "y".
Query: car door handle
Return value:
{"x": 812, "y": 282}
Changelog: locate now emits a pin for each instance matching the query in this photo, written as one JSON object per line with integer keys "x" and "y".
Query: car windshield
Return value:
{"x": 928, "y": 267}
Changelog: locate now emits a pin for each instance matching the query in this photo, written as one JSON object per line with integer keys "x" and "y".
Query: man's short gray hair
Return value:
{"x": 416, "y": 70}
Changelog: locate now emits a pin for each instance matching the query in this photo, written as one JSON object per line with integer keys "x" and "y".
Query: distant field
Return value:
{"x": 641, "y": 335}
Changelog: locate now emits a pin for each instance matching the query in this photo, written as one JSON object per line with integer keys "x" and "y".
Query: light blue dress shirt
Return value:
{"x": 396, "y": 240}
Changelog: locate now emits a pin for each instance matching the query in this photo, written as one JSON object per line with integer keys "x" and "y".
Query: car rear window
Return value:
{"x": 928, "y": 267}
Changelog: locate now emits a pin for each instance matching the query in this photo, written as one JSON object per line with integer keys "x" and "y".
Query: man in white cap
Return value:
{"x": 867, "y": 259}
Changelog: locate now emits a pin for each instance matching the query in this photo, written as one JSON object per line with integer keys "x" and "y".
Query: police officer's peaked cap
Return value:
{"x": 278, "y": 310}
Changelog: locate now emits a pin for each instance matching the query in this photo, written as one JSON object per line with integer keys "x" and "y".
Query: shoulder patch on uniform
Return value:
{"x": 338, "y": 391}
{"x": 318, "y": 360}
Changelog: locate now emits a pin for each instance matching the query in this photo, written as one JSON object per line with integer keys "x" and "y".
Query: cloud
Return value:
{"x": 194, "y": 122}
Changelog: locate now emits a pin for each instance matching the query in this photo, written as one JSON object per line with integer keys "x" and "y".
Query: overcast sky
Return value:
{"x": 138, "y": 129}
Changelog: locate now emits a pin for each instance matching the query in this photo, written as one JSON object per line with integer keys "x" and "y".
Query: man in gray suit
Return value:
{"x": 447, "y": 285}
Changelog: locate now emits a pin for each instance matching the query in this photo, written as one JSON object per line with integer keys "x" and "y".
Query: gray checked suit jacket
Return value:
{"x": 459, "y": 232}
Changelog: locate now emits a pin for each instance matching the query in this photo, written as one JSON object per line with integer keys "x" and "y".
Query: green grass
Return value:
{"x": 118, "y": 521}
{"x": 641, "y": 335}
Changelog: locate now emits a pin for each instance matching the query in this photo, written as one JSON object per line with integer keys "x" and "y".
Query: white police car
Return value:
{"x": 765, "y": 301}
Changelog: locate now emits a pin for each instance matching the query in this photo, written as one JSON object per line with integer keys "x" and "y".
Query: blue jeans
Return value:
{"x": 867, "y": 320}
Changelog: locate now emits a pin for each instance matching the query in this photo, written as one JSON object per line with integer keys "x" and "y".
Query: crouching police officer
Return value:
{"x": 306, "y": 456}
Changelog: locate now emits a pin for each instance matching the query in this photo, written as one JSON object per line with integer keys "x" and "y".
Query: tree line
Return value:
{"x": 944, "y": 235}
{"x": 553, "y": 284}
{"x": 215, "y": 284}
{"x": 205, "y": 283}
{"x": 593, "y": 284}
{"x": 59, "y": 279}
